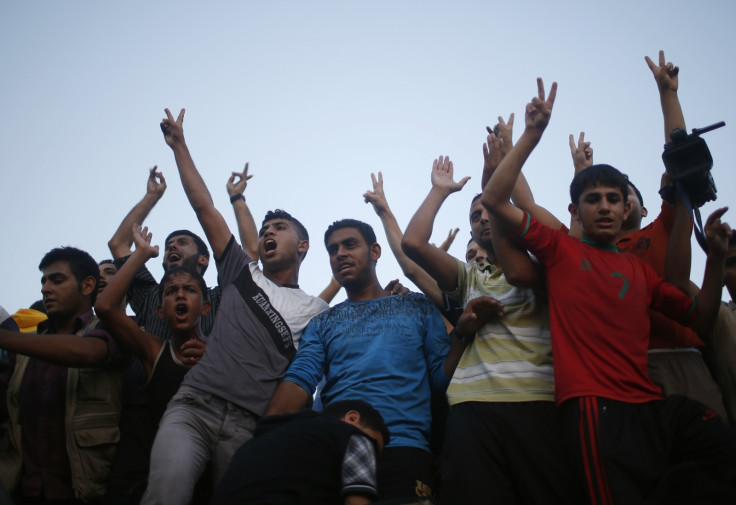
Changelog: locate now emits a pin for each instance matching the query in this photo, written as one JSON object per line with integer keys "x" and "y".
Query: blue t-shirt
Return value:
{"x": 386, "y": 352}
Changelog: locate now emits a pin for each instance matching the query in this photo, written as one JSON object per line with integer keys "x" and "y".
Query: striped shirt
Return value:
{"x": 510, "y": 359}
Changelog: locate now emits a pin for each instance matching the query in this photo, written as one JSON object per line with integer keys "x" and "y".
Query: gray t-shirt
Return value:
{"x": 257, "y": 328}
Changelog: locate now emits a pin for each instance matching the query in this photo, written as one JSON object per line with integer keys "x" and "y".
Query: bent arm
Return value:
{"x": 64, "y": 350}
{"x": 288, "y": 398}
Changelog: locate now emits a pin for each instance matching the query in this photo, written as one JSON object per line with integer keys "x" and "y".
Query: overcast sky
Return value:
{"x": 317, "y": 95}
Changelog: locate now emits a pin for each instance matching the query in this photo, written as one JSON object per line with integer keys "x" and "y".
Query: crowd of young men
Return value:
{"x": 452, "y": 395}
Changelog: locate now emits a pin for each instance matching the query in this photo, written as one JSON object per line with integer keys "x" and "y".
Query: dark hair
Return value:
{"x": 475, "y": 198}
{"x": 598, "y": 175}
{"x": 369, "y": 416}
{"x": 301, "y": 231}
{"x": 201, "y": 246}
{"x": 105, "y": 262}
{"x": 636, "y": 191}
{"x": 183, "y": 269}
{"x": 732, "y": 240}
{"x": 364, "y": 228}
{"x": 80, "y": 263}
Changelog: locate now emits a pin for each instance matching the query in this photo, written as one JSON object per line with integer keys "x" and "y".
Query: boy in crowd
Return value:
{"x": 631, "y": 446}
{"x": 257, "y": 329}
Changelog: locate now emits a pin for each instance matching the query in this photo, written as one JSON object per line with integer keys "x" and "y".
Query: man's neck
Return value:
{"x": 287, "y": 277}
{"x": 64, "y": 325}
{"x": 371, "y": 291}
{"x": 626, "y": 232}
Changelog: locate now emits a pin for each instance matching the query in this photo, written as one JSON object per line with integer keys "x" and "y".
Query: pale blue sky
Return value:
{"x": 317, "y": 95}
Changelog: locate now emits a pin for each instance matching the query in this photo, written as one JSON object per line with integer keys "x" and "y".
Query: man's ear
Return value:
{"x": 352, "y": 417}
{"x": 375, "y": 251}
{"x": 203, "y": 260}
{"x": 88, "y": 285}
{"x": 573, "y": 211}
{"x": 206, "y": 308}
{"x": 302, "y": 246}
{"x": 160, "y": 312}
{"x": 644, "y": 212}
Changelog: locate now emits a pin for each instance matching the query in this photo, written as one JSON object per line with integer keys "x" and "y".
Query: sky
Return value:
{"x": 317, "y": 96}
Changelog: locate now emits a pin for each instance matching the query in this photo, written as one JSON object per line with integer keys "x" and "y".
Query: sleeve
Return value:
{"x": 458, "y": 294}
{"x": 436, "y": 346}
{"x": 359, "y": 467}
{"x": 140, "y": 288}
{"x": 539, "y": 239}
{"x": 115, "y": 355}
{"x": 670, "y": 300}
{"x": 231, "y": 262}
{"x": 308, "y": 366}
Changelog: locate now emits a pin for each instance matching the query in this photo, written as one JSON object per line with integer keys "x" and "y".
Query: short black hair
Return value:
{"x": 201, "y": 246}
{"x": 369, "y": 416}
{"x": 105, "y": 262}
{"x": 80, "y": 263}
{"x": 365, "y": 229}
{"x": 182, "y": 269}
{"x": 301, "y": 231}
{"x": 598, "y": 175}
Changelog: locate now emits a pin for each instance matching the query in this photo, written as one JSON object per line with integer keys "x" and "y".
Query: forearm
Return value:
{"x": 415, "y": 243}
{"x": 112, "y": 297}
{"x": 709, "y": 297}
{"x": 121, "y": 241}
{"x": 246, "y": 228}
{"x": 64, "y": 350}
{"x": 288, "y": 398}
{"x": 678, "y": 257}
{"x": 672, "y": 113}
{"x": 331, "y": 290}
{"x": 457, "y": 348}
{"x": 194, "y": 186}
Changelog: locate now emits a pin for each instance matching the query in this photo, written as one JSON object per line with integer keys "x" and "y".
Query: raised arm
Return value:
{"x": 121, "y": 241}
{"x": 666, "y": 77}
{"x": 377, "y": 198}
{"x": 214, "y": 225}
{"x": 717, "y": 234}
{"x": 500, "y": 140}
{"x": 246, "y": 224}
{"x": 498, "y": 190}
{"x": 436, "y": 262}
{"x": 145, "y": 346}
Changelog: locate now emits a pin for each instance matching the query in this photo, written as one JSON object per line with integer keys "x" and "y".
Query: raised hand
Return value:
{"x": 396, "y": 288}
{"x": 582, "y": 153}
{"x": 665, "y": 74}
{"x": 173, "y": 130}
{"x": 238, "y": 188}
{"x": 504, "y": 131}
{"x": 142, "y": 239}
{"x": 156, "y": 183}
{"x": 539, "y": 110}
{"x": 493, "y": 153}
{"x": 443, "y": 176}
{"x": 445, "y": 245}
{"x": 717, "y": 233}
{"x": 377, "y": 197}
{"x": 478, "y": 312}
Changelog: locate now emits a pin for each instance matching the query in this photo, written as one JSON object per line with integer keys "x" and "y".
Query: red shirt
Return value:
{"x": 599, "y": 300}
{"x": 650, "y": 244}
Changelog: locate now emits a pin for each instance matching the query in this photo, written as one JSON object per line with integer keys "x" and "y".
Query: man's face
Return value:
{"x": 182, "y": 302}
{"x": 633, "y": 222}
{"x": 352, "y": 259}
{"x": 480, "y": 225}
{"x": 279, "y": 246}
{"x": 107, "y": 272}
{"x": 181, "y": 250}
{"x": 475, "y": 253}
{"x": 601, "y": 211}
{"x": 63, "y": 296}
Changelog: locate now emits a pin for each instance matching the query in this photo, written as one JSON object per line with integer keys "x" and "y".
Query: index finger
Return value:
{"x": 540, "y": 88}
{"x": 581, "y": 140}
{"x": 168, "y": 115}
{"x": 650, "y": 63}
{"x": 552, "y": 93}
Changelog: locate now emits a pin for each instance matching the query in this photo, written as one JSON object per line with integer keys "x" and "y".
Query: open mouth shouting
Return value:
{"x": 269, "y": 245}
{"x": 173, "y": 256}
{"x": 181, "y": 310}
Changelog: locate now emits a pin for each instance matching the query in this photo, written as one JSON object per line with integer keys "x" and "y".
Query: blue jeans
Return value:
{"x": 196, "y": 428}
